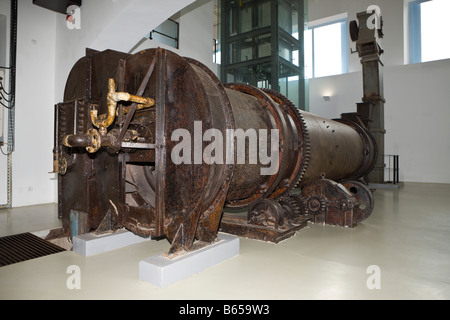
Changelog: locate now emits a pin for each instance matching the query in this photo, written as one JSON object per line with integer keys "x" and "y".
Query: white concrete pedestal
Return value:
{"x": 89, "y": 244}
{"x": 163, "y": 271}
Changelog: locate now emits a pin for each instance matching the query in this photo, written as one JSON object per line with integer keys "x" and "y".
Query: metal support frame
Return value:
{"x": 264, "y": 68}
{"x": 393, "y": 165}
{"x": 371, "y": 110}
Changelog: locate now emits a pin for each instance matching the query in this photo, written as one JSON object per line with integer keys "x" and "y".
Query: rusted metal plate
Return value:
{"x": 239, "y": 226}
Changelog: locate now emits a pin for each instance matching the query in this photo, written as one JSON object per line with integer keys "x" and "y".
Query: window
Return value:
{"x": 216, "y": 52}
{"x": 428, "y": 27}
{"x": 166, "y": 33}
{"x": 326, "y": 48}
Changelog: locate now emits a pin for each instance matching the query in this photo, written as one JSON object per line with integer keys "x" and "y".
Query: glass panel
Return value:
{"x": 246, "y": 19}
{"x": 163, "y": 39}
{"x": 294, "y": 31}
{"x": 242, "y": 50}
{"x": 434, "y": 24}
{"x": 289, "y": 87}
{"x": 263, "y": 84}
{"x": 246, "y": 52}
{"x": 232, "y": 53}
{"x": 264, "y": 75}
{"x": 264, "y": 46}
{"x": 289, "y": 52}
{"x": 285, "y": 50}
{"x": 230, "y": 77}
{"x": 250, "y": 48}
{"x": 284, "y": 17}
{"x": 288, "y": 19}
{"x": 232, "y": 19}
{"x": 327, "y": 50}
{"x": 166, "y": 33}
{"x": 264, "y": 14}
{"x": 283, "y": 86}
{"x": 169, "y": 28}
{"x": 216, "y": 52}
{"x": 256, "y": 75}
{"x": 308, "y": 54}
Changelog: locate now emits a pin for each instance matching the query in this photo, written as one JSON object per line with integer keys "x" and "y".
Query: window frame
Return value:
{"x": 344, "y": 41}
{"x": 415, "y": 32}
{"x": 175, "y": 38}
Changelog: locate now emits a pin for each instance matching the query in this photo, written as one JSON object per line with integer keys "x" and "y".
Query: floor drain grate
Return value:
{"x": 23, "y": 247}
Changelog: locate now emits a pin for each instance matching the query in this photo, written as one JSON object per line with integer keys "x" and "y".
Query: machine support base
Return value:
{"x": 240, "y": 227}
{"x": 89, "y": 244}
{"x": 164, "y": 270}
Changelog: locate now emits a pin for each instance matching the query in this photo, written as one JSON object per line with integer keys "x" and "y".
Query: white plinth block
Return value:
{"x": 163, "y": 271}
{"x": 89, "y": 244}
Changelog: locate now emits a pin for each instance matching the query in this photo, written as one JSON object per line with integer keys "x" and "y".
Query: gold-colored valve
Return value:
{"x": 104, "y": 121}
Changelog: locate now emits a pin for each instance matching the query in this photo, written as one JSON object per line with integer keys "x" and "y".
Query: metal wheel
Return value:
{"x": 364, "y": 199}
{"x": 267, "y": 213}
{"x": 315, "y": 205}
{"x": 354, "y": 30}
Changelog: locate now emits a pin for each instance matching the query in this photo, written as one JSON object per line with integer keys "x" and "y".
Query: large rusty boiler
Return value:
{"x": 118, "y": 129}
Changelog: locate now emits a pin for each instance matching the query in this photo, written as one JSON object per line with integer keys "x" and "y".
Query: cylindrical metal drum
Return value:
{"x": 134, "y": 171}
{"x": 312, "y": 146}
{"x": 339, "y": 150}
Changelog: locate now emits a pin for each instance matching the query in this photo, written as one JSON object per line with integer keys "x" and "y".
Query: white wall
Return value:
{"x": 46, "y": 52}
{"x": 418, "y": 112}
{"x": 416, "y": 109}
{"x": 4, "y": 10}
{"x": 35, "y": 83}
{"x": 196, "y": 34}
{"x": 108, "y": 24}
{"x": 392, "y": 11}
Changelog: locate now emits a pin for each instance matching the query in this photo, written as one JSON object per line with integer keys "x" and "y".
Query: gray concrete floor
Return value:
{"x": 407, "y": 237}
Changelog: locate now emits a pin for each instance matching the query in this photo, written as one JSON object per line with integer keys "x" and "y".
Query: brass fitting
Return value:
{"x": 104, "y": 121}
